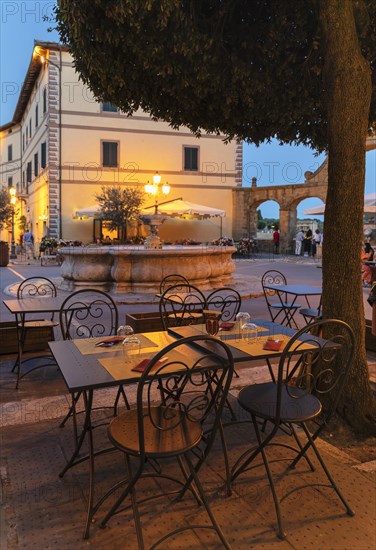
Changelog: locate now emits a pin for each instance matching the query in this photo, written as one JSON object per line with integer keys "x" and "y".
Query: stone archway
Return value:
{"x": 246, "y": 200}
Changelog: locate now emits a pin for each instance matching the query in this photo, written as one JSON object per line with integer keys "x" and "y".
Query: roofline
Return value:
{"x": 7, "y": 126}
{"x": 32, "y": 74}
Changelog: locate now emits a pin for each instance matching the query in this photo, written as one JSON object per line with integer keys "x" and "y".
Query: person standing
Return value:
{"x": 276, "y": 241}
{"x": 308, "y": 242}
{"x": 28, "y": 240}
{"x": 298, "y": 242}
{"x": 316, "y": 242}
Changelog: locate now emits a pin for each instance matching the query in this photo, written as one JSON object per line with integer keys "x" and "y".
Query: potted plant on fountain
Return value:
{"x": 5, "y": 220}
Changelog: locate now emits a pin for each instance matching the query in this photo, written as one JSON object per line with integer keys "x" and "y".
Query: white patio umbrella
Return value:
{"x": 369, "y": 206}
{"x": 90, "y": 211}
{"x": 178, "y": 207}
{"x": 181, "y": 207}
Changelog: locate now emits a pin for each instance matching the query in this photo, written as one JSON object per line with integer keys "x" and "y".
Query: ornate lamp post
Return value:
{"x": 13, "y": 200}
{"x": 154, "y": 189}
{"x": 155, "y": 219}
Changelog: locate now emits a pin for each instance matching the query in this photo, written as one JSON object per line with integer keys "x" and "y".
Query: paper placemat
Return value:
{"x": 120, "y": 366}
{"x": 87, "y": 345}
{"x": 256, "y": 348}
{"x": 231, "y": 334}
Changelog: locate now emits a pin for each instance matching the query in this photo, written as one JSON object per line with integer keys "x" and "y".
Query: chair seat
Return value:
{"x": 39, "y": 323}
{"x": 296, "y": 404}
{"x": 178, "y": 436}
{"x": 283, "y": 306}
{"x": 310, "y": 312}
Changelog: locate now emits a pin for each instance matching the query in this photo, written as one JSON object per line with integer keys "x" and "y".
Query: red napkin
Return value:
{"x": 111, "y": 341}
{"x": 145, "y": 363}
{"x": 273, "y": 345}
{"x": 227, "y": 325}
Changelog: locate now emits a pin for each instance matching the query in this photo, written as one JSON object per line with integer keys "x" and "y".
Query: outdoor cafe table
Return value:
{"x": 86, "y": 368}
{"x": 295, "y": 291}
{"x": 23, "y": 307}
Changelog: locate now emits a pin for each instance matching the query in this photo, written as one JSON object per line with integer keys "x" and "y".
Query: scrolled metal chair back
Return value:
{"x": 88, "y": 314}
{"x": 197, "y": 389}
{"x": 172, "y": 280}
{"x": 272, "y": 277}
{"x": 317, "y": 360}
{"x": 181, "y": 305}
{"x": 36, "y": 287}
{"x": 225, "y": 300}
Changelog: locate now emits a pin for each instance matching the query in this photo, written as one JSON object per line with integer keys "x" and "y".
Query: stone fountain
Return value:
{"x": 140, "y": 270}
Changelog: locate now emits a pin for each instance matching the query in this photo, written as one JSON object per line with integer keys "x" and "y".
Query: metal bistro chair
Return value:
{"x": 89, "y": 313}
{"x": 172, "y": 427}
{"x": 311, "y": 376}
{"x": 311, "y": 314}
{"x": 277, "y": 309}
{"x": 172, "y": 280}
{"x": 227, "y": 301}
{"x": 181, "y": 305}
{"x": 35, "y": 287}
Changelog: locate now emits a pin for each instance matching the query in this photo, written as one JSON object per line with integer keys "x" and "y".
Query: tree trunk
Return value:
{"x": 347, "y": 83}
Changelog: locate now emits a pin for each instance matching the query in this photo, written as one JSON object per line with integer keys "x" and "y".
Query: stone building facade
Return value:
{"x": 65, "y": 146}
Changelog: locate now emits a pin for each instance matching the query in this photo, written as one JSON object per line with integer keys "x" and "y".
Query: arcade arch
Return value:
{"x": 246, "y": 200}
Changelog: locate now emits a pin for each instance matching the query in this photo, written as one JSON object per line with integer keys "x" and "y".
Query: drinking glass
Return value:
{"x": 250, "y": 332}
{"x": 129, "y": 336}
{"x": 212, "y": 321}
{"x": 241, "y": 319}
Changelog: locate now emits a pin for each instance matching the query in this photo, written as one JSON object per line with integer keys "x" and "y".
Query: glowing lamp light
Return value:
{"x": 166, "y": 188}
{"x": 154, "y": 189}
{"x": 156, "y": 178}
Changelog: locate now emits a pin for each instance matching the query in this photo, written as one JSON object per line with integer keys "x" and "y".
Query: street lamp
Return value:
{"x": 13, "y": 200}
{"x": 154, "y": 220}
{"x": 153, "y": 189}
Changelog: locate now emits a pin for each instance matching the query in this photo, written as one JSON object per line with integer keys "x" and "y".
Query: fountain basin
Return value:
{"x": 135, "y": 269}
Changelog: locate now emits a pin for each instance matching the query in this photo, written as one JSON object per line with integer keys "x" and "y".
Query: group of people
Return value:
{"x": 308, "y": 242}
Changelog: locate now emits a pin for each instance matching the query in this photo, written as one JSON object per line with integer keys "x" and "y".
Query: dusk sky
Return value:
{"x": 272, "y": 164}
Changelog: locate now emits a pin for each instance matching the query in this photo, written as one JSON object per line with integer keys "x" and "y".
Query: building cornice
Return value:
{"x": 30, "y": 79}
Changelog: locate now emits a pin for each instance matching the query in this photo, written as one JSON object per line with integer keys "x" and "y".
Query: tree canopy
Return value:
{"x": 119, "y": 205}
{"x": 247, "y": 69}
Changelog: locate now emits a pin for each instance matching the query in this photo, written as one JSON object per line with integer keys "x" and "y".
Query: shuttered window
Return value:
{"x": 110, "y": 150}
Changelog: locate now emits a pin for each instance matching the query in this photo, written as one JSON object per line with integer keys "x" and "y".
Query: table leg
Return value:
{"x": 21, "y": 335}
{"x": 88, "y": 401}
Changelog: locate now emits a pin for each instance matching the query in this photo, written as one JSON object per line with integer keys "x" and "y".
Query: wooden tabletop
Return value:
{"x": 84, "y": 371}
{"x": 34, "y": 305}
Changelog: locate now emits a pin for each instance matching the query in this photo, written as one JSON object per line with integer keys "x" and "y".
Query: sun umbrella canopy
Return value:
{"x": 369, "y": 206}
{"x": 181, "y": 208}
{"x": 174, "y": 208}
{"x": 90, "y": 211}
